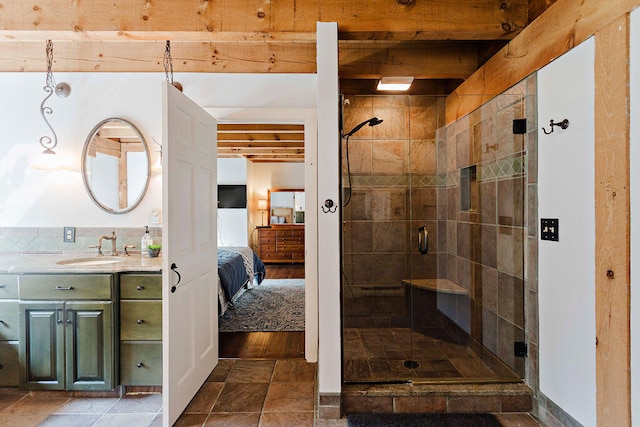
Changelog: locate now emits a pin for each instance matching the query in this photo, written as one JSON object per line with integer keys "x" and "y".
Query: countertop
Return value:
{"x": 55, "y": 263}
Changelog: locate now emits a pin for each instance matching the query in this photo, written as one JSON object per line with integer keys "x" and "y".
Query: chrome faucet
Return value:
{"x": 113, "y": 238}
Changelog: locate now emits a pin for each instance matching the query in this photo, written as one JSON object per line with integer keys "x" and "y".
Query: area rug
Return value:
{"x": 274, "y": 305}
{"x": 422, "y": 420}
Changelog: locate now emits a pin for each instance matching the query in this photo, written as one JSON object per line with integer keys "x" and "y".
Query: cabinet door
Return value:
{"x": 42, "y": 346}
{"x": 89, "y": 345}
{"x": 9, "y": 364}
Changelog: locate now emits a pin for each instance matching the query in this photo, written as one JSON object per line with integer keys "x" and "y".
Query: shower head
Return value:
{"x": 374, "y": 121}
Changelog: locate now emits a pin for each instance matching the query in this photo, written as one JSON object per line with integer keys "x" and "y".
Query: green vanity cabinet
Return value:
{"x": 67, "y": 339}
{"x": 141, "y": 329}
{"x": 9, "y": 330}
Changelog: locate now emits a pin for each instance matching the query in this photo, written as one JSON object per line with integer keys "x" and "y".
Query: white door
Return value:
{"x": 190, "y": 259}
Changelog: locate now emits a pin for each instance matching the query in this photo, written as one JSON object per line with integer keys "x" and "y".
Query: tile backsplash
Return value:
{"x": 50, "y": 239}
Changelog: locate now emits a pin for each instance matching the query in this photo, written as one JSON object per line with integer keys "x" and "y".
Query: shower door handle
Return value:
{"x": 423, "y": 240}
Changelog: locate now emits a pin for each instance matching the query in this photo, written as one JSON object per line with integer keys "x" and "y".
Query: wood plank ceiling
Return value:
{"x": 439, "y": 42}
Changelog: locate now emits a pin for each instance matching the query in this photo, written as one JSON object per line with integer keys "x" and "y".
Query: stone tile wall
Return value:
{"x": 394, "y": 191}
{"x": 486, "y": 244}
{"x": 50, "y": 239}
{"x": 405, "y": 173}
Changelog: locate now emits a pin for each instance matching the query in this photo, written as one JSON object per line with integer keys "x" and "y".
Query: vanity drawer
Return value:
{"x": 141, "y": 286}
{"x": 9, "y": 320}
{"x": 9, "y": 364}
{"x": 141, "y": 363}
{"x": 65, "y": 287}
{"x": 140, "y": 320}
{"x": 8, "y": 286}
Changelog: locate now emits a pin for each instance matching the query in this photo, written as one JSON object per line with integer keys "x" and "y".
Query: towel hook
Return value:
{"x": 329, "y": 206}
{"x": 563, "y": 125}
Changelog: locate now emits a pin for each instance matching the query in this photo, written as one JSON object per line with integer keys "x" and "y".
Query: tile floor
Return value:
{"x": 239, "y": 392}
{"x": 378, "y": 354}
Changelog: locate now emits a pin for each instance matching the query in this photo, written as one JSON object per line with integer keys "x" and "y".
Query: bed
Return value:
{"x": 239, "y": 269}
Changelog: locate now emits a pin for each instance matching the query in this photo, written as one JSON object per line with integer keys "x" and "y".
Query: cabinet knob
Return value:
{"x": 2, "y": 322}
{"x": 140, "y": 321}
{"x": 140, "y": 288}
{"x": 2, "y": 286}
{"x": 140, "y": 365}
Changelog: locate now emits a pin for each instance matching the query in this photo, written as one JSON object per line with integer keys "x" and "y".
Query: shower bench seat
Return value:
{"x": 444, "y": 286}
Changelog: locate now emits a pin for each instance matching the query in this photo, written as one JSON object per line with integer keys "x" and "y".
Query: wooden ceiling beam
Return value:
{"x": 357, "y": 59}
{"x": 261, "y": 144}
{"x": 423, "y": 60}
{"x": 261, "y": 137}
{"x": 250, "y": 19}
{"x": 253, "y": 127}
{"x": 147, "y": 56}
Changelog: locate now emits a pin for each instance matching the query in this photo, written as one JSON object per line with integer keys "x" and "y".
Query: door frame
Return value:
{"x": 308, "y": 117}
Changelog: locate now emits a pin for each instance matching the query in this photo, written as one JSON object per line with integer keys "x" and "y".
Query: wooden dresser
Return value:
{"x": 281, "y": 243}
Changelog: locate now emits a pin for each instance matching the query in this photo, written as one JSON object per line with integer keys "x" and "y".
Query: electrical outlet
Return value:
{"x": 69, "y": 235}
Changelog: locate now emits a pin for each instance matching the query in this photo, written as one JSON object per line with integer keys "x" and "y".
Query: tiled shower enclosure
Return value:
{"x": 456, "y": 313}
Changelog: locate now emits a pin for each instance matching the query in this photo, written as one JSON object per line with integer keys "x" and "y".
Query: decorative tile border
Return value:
{"x": 498, "y": 169}
{"x": 503, "y": 168}
{"x": 49, "y": 239}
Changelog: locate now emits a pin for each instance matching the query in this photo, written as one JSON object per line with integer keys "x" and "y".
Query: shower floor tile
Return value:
{"x": 378, "y": 355}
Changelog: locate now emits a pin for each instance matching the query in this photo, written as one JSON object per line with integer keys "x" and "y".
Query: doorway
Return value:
{"x": 264, "y": 342}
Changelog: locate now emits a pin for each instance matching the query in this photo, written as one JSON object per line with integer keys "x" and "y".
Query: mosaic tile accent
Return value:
{"x": 502, "y": 168}
{"x": 400, "y": 180}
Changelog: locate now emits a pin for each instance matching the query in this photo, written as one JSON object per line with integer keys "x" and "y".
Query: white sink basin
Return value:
{"x": 91, "y": 261}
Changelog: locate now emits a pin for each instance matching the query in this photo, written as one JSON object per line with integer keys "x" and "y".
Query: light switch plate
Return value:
{"x": 69, "y": 235}
{"x": 549, "y": 229}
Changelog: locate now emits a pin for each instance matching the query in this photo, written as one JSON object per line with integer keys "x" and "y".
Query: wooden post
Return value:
{"x": 612, "y": 196}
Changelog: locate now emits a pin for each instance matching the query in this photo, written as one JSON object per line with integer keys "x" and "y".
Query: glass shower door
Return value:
{"x": 433, "y": 232}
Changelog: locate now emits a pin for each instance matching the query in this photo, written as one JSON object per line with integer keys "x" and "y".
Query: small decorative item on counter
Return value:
{"x": 153, "y": 250}
{"x": 145, "y": 241}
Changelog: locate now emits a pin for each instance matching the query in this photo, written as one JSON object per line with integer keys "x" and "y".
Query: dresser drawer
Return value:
{"x": 264, "y": 233}
{"x": 65, "y": 287}
{"x": 141, "y": 363}
{"x": 141, "y": 286}
{"x": 8, "y": 286}
{"x": 9, "y": 320}
{"x": 140, "y": 320}
{"x": 9, "y": 364}
{"x": 267, "y": 241}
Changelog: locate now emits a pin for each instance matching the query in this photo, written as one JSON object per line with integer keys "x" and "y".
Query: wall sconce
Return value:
{"x": 262, "y": 206}
{"x": 395, "y": 83}
{"x": 62, "y": 90}
{"x": 157, "y": 165}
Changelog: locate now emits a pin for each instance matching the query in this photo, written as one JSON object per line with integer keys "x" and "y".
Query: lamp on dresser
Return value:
{"x": 262, "y": 207}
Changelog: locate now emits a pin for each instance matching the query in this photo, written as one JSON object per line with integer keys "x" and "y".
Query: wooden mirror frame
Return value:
{"x": 281, "y": 190}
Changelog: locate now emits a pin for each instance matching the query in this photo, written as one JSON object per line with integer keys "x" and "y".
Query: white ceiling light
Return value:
{"x": 395, "y": 83}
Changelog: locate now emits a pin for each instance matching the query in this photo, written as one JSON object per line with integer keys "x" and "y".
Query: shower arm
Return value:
{"x": 374, "y": 121}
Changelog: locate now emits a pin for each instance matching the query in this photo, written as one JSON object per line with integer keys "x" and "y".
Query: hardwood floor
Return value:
{"x": 285, "y": 271}
{"x": 261, "y": 345}
{"x": 266, "y": 345}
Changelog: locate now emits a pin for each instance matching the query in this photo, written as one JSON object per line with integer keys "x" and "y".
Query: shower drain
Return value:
{"x": 411, "y": 364}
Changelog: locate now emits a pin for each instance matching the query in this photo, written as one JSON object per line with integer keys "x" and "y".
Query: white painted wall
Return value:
{"x": 30, "y": 197}
{"x": 567, "y": 267}
{"x": 635, "y": 216}
{"x": 233, "y": 224}
{"x": 330, "y": 358}
{"x": 232, "y": 171}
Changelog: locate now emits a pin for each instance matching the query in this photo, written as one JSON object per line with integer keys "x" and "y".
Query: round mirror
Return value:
{"x": 115, "y": 165}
